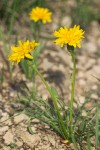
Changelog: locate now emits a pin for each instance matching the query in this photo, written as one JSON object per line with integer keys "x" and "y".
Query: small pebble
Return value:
{"x": 94, "y": 96}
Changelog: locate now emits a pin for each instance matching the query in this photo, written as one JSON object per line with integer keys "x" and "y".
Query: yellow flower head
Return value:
{"x": 22, "y": 51}
{"x": 72, "y": 36}
{"x": 42, "y": 14}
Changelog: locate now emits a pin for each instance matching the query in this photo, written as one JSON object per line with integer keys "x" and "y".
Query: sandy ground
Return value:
{"x": 56, "y": 66}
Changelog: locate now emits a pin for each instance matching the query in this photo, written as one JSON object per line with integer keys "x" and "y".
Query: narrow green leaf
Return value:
{"x": 97, "y": 128}
{"x": 30, "y": 130}
{"x": 88, "y": 141}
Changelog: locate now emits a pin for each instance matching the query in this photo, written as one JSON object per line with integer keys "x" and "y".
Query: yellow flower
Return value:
{"x": 22, "y": 51}
{"x": 42, "y": 14}
{"x": 72, "y": 36}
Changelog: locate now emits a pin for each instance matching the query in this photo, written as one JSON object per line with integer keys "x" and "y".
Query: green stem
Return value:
{"x": 35, "y": 28}
{"x": 72, "y": 86}
{"x": 38, "y": 28}
{"x": 63, "y": 128}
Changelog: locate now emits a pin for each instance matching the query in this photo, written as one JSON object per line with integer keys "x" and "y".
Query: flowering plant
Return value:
{"x": 22, "y": 51}
{"x": 57, "y": 116}
{"x": 40, "y": 14}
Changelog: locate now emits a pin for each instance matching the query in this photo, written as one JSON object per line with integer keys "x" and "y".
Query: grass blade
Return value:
{"x": 97, "y": 128}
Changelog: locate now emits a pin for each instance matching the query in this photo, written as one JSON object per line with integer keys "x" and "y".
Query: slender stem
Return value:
{"x": 38, "y": 28}
{"x": 72, "y": 86}
{"x": 63, "y": 128}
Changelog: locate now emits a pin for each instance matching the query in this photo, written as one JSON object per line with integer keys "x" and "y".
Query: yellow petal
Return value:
{"x": 29, "y": 56}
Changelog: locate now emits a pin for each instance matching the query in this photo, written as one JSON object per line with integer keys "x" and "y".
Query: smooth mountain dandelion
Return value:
{"x": 23, "y": 50}
{"x": 40, "y": 14}
{"x": 72, "y": 36}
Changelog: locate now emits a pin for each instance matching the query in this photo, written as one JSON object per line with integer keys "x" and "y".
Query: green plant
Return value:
{"x": 9, "y": 13}
{"x": 86, "y": 123}
{"x": 83, "y": 14}
{"x": 36, "y": 24}
{"x": 12, "y": 145}
{"x": 8, "y": 7}
{"x": 27, "y": 65}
